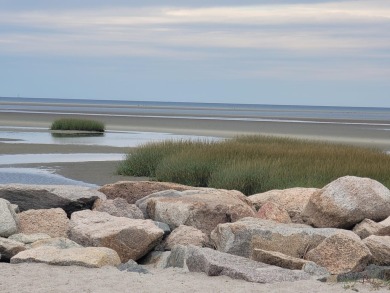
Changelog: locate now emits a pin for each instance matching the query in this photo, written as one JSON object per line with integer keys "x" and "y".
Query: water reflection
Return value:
{"x": 76, "y": 134}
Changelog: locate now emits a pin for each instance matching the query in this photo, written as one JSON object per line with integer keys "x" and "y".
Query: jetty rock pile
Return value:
{"x": 279, "y": 235}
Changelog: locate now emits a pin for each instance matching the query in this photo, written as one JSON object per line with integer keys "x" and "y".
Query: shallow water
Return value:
{"x": 36, "y": 176}
{"x": 58, "y": 158}
{"x": 109, "y": 138}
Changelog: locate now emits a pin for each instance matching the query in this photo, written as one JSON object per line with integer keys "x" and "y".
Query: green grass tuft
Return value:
{"x": 255, "y": 164}
{"x": 78, "y": 124}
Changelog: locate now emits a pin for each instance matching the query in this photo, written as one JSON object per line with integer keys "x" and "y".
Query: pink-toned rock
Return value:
{"x": 293, "y": 200}
{"x": 202, "y": 209}
{"x": 367, "y": 228}
{"x": 385, "y": 227}
{"x": 341, "y": 253}
{"x": 347, "y": 201}
{"x": 130, "y": 238}
{"x": 118, "y": 207}
{"x": 52, "y": 222}
{"x": 185, "y": 235}
{"x": 135, "y": 190}
{"x": 380, "y": 249}
{"x": 271, "y": 211}
{"x": 278, "y": 259}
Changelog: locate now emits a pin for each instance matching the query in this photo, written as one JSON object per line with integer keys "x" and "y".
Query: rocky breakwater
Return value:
{"x": 282, "y": 235}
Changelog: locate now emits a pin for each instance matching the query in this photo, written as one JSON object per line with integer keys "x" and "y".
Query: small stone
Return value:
{"x": 9, "y": 248}
{"x": 367, "y": 228}
{"x": 380, "y": 249}
{"x": 118, "y": 207}
{"x": 133, "y": 267}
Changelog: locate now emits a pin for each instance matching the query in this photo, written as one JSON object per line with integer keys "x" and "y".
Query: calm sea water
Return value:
{"x": 201, "y": 110}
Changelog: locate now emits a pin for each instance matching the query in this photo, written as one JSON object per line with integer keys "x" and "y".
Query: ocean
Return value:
{"x": 212, "y": 111}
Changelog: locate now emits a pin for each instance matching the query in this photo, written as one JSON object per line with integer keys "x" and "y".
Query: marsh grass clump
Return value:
{"x": 78, "y": 125}
{"x": 255, "y": 164}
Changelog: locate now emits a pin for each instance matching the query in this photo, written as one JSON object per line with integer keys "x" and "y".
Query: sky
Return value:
{"x": 296, "y": 52}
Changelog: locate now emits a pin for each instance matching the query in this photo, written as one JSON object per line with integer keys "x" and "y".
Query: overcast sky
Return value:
{"x": 265, "y": 52}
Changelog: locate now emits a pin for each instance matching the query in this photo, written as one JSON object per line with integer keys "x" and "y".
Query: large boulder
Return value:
{"x": 132, "y": 191}
{"x": 69, "y": 198}
{"x": 131, "y": 238}
{"x": 293, "y": 200}
{"x": 118, "y": 207}
{"x": 341, "y": 253}
{"x": 215, "y": 263}
{"x": 91, "y": 257}
{"x": 8, "y": 219}
{"x": 185, "y": 235}
{"x": 9, "y": 248}
{"x": 380, "y": 249}
{"x": 272, "y": 211}
{"x": 347, "y": 201}
{"x": 202, "y": 209}
{"x": 53, "y": 222}
{"x": 142, "y": 203}
{"x": 242, "y": 237}
{"x": 367, "y": 228}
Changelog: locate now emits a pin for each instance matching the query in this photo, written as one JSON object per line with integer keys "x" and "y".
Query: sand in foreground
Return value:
{"x": 22, "y": 278}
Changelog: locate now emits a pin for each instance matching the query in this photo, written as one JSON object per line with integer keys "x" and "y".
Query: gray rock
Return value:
{"x": 156, "y": 259}
{"x": 69, "y": 198}
{"x": 118, "y": 207}
{"x": 313, "y": 269}
{"x": 385, "y": 230}
{"x": 215, "y": 263}
{"x": 8, "y": 219}
{"x": 370, "y": 272}
{"x": 241, "y": 237}
{"x": 131, "y": 238}
{"x": 133, "y": 267}
{"x": 9, "y": 248}
{"x": 90, "y": 257}
{"x": 163, "y": 227}
{"x": 346, "y": 202}
{"x": 29, "y": 238}
{"x": 15, "y": 207}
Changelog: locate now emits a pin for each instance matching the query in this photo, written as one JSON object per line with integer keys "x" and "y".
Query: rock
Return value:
{"x": 90, "y": 257}
{"x": 385, "y": 230}
{"x": 379, "y": 247}
{"x": 118, "y": 207}
{"x": 59, "y": 242}
{"x": 132, "y": 191}
{"x": 69, "y": 198}
{"x": 215, "y": 263}
{"x": 185, "y": 235}
{"x": 295, "y": 240}
{"x": 271, "y": 211}
{"x": 53, "y": 222}
{"x": 8, "y": 219}
{"x": 313, "y": 269}
{"x": 202, "y": 209}
{"x": 367, "y": 228}
{"x": 9, "y": 248}
{"x": 29, "y": 238}
{"x": 341, "y": 253}
{"x": 278, "y": 259}
{"x": 133, "y": 267}
{"x": 370, "y": 272}
{"x": 131, "y": 238}
{"x": 347, "y": 201}
{"x": 163, "y": 227}
{"x": 156, "y": 259}
{"x": 293, "y": 200}
{"x": 142, "y": 203}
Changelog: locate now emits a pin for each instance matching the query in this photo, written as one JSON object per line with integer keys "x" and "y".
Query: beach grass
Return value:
{"x": 77, "y": 124}
{"x": 254, "y": 164}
